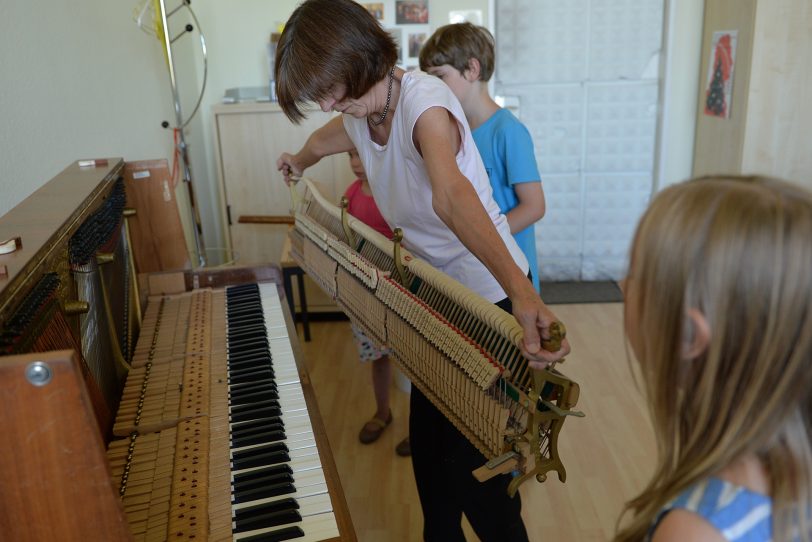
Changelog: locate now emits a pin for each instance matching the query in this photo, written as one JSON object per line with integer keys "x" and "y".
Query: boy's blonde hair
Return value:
{"x": 456, "y": 44}
{"x": 739, "y": 250}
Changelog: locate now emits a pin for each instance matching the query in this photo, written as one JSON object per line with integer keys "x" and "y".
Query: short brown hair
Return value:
{"x": 326, "y": 42}
{"x": 456, "y": 44}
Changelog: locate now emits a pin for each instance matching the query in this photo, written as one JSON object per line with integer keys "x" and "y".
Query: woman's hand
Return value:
{"x": 535, "y": 319}
{"x": 286, "y": 163}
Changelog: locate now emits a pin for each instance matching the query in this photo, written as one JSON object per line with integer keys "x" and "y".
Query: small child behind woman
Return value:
{"x": 362, "y": 206}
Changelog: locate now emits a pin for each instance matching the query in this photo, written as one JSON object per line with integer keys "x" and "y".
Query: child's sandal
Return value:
{"x": 373, "y": 429}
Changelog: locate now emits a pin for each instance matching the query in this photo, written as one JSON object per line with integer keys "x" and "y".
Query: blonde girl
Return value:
{"x": 719, "y": 315}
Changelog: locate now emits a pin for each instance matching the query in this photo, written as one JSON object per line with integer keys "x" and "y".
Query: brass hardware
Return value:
{"x": 11, "y": 245}
{"x": 345, "y": 223}
{"x": 104, "y": 257}
{"x": 73, "y": 308}
{"x": 135, "y": 296}
{"x": 396, "y": 239}
{"x": 557, "y": 334}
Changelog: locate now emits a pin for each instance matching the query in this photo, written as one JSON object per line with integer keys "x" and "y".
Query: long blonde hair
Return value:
{"x": 740, "y": 251}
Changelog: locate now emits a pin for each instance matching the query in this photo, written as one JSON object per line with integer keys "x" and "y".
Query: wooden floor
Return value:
{"x": 608, "y": 454}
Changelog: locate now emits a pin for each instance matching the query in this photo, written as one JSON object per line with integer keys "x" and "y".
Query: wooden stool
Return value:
{"x": 290, "y": 269}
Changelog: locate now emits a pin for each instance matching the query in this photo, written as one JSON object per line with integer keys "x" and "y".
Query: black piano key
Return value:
{"x": 265, "y": 491}
{"x": 249, "y": 387}
{"x": 249, "y": 355}
{"x": 244, "y": 346}
{"x": 265, "y": 409}
{"x": 253, "y": 310}
{"x": 257, "y": 474}
{"x": 238, "y": 320}
{"x": 257, "y": 360}
{"x": 263, "y": 516}
{"x": 248, "y": 367}
{"x": 267, "y": 454}
{"x": 246, "y": 310}
{"x": 242, "y": 332}
{"x": 257, "y": 438}
{"x": 260, "y": 424}
{"x": 288, "y": 533}
{"x": 264, "y": 484}
{"x": 237, "y": 289}
{"x": 241, "y": 398}
{"x": 249, "y": 375}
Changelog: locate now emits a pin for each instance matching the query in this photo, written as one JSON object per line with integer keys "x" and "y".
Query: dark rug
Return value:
{"x": 561, "y": 293}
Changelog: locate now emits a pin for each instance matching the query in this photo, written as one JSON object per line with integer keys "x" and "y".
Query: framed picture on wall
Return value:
{"x": 411, "y": 11}
{"x": 416, "y": 41}
{"x": 376, "y": 9}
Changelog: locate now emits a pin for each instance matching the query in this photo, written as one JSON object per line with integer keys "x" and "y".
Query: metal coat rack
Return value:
{"x": 157, "y": 9}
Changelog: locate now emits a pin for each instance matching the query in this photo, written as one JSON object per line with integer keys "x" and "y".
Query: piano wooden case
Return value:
{"x": 189, "y": 416}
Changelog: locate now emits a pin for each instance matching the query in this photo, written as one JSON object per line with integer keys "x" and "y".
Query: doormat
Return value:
{"x": 561, "y": 293}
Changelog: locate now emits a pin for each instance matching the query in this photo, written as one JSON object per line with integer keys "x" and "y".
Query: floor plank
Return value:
{"x": 608, "y": 455}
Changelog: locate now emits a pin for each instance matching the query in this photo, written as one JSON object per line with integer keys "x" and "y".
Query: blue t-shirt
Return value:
{"x": 739, "y": 514}
{"x": 507, "y": 152}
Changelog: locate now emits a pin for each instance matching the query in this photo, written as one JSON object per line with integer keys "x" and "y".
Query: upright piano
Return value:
{"x": 176, "y": 407}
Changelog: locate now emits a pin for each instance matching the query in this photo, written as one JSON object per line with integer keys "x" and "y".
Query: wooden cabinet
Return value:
{"x": 248, "y": 140}
{"x": 768, "y": 131}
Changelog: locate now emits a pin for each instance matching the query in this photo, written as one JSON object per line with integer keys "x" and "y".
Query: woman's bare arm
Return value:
{"x": 455, "y": 201}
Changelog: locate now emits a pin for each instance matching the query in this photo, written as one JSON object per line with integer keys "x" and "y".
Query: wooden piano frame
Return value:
{"x": 56, "y": 483}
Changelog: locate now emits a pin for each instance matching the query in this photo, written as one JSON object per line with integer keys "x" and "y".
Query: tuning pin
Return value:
{"x": 73, "y": 308}
{"x": 104, "y": 257}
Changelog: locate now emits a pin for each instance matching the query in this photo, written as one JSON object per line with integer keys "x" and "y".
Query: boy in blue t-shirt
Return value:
{"x": 462, "y": 55}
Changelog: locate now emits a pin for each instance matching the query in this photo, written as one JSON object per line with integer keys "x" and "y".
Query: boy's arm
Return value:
{"x": 531, "y": 206}
{"x": 522, "y": 174}
{"x": 330, "y": 139}
{"x": 455, "y": 201}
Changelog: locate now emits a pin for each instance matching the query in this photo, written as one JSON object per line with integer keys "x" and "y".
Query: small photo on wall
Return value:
{"x": 411, "y": 11}
{"x": 375, "y": 8}
{"x": 416, "y": 42}
{"x": 397, "y": 35}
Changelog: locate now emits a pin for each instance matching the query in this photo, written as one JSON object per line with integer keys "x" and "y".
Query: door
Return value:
{"x": 584, "y": 75}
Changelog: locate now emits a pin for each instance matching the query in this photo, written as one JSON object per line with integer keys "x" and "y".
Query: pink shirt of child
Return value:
{"x": 364, "y": 209}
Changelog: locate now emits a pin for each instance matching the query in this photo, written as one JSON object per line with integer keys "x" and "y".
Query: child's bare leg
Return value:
{"x": 381, "y": 377}
{"x": 381, "y": 380}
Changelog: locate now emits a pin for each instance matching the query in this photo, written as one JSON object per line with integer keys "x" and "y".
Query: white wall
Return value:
{"x": 79, "y": 80}
{"x": 682, "y": 44}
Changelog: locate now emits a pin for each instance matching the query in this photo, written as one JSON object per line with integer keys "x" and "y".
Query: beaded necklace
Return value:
{"x": 388, "y": 99}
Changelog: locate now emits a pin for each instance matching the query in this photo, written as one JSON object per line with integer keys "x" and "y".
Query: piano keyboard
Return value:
{"x": 265, "y": 478}
{"x": 278, "y": 488}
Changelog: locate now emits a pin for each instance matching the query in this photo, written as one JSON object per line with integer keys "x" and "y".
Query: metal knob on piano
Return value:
{"x": 38, "y": 373}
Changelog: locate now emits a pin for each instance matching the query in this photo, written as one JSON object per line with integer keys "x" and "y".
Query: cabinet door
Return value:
{"x": 250, "y": 143}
